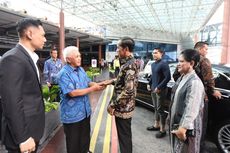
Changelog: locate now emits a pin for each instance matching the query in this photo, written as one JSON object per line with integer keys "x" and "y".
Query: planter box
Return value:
{"x": 52, "y": 121}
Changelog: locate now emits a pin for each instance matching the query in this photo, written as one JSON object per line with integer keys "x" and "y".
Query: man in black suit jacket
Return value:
{"x": 22, "y": 101}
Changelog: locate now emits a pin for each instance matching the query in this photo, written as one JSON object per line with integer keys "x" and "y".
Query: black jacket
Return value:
{"x": 22, "y": 101}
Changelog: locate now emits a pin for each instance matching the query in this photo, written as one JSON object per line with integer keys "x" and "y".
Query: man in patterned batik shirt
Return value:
{"x": 206, "y": 76}
{"x": 122, "y": 103}
{"x": 51, "y": 68}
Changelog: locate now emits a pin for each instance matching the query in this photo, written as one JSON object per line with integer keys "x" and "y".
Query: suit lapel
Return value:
{"x": 29, "y": 59}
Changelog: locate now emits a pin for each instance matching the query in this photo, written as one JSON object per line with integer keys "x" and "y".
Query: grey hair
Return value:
{"x": 69, "y": 50}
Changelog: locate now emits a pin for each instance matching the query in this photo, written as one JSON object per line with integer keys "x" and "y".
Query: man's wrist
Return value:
{"x": 25, "y": 141}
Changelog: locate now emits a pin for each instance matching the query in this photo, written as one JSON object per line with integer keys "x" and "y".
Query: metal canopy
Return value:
{"x": 163, "y": 20}
{"x": 8, "y": 34}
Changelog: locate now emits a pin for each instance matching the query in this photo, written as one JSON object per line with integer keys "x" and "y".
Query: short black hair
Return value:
{"x": 191, "y": 55}
{"x": 24, "y": 23}
{"x": 200, "y": 44}
{"x": 159, "y": 50}
{"x": 127, "y": 42}
{"x": 53, "y": 50}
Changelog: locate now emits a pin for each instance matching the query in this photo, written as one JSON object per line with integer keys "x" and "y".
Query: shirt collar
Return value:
{"x": 54, "y": 60}
{"x": 124, "y": 60}
{"x": 72, "y": 69}
{"x": 32, "y": 54}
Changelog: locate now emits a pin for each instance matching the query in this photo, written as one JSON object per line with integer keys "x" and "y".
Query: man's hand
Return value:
{"x": 180, "y": 133}
{"x": 106, "y": 82}
{"x": 217, "y": 94}
{"x": 148, "y": 87}
{"x": 48, "y": 84}
{"x": 156, "y": 90}
{"x": 28, "y": 145}
{"x": 110, "y": 110}
{"x": 97, "y": 87}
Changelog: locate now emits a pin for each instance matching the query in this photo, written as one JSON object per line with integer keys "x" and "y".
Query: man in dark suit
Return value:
{"x": 22, "y": 101}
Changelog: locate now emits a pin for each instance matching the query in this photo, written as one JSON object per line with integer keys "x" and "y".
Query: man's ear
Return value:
{"x": 29, "y": 34}
{"x": 67, "y": 59}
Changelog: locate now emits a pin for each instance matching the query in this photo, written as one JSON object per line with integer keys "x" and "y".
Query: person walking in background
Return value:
{"x": 122, "y": 103}
{"x": 75, "y": 105}
{"x": 204, "y": 71}
{"x": 158, "y": 81}
{"x": 102, "y": 64}
{"x": 116, "y": 65}
{"x": 51, "y": 68}
{"x": 20, "y": 88}
{"x": 187, "y": 106}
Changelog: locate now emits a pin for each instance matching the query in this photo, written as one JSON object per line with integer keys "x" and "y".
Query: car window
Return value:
{"x": 221, "y": 79}
{"x": 147, "y": 69}
{"x": 172, "y": 67}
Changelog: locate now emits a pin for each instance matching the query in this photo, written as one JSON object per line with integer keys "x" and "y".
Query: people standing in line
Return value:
{"x": 51, "y": 68}
{"x": 122, "y": 103}
{"x": 158, "y": 82}
{"x": 204, "y": 71}
{"x": 187, "y": 106}
{"x": 116, "y": 65}
{"x": 75, "y": 105}
{"x": 20, "y": 88}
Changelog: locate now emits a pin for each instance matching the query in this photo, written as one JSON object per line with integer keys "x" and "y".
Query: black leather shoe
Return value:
{"x": 152, "y": 128}
{"x": 161, "y": 134}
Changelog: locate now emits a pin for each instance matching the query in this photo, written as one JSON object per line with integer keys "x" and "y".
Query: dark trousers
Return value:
{"x": 204, "y": 126}
{"x": 160, "y": 104}
{"x": 10, "y": 145}
{"x": 78, "y": 136}
{"x": 124, "y": 134}
{"x": 0, "y": 119}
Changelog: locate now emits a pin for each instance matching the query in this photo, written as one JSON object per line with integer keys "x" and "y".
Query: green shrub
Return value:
{"x": 92, "y": 71}
{"x": 49, "y": 96}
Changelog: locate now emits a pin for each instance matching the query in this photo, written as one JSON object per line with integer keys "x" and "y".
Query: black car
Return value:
{"x": 219, "y": 110}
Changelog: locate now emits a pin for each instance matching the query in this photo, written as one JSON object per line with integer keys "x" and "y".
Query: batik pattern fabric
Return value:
{"x": 123, "y": 99}
{"x": 207, "y": 76}
{"x": 51, "y": 69}
{"x": 73, "y": 109}
{"x": 187, "y": 111}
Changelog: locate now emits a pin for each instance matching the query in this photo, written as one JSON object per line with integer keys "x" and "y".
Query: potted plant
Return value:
{"x": 52, "y": 119}
{"x": 50, "y": 95}
{"x": 93, "y": 72}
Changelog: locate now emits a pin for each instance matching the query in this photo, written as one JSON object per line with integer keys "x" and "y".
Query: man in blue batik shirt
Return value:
{"x": 75, "y": 105}
{"x": 51, "y": 68}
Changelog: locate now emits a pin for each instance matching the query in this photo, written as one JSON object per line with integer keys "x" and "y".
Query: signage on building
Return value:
{"x": 94, "y": 62}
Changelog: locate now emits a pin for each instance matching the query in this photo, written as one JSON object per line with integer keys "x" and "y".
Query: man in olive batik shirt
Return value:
{"x": 122, "y": 103}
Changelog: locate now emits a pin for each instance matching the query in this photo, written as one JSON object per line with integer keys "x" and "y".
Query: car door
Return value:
{"x": 219, "y": 109}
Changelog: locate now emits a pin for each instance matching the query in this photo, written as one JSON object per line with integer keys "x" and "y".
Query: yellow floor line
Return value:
{"x": 106, "y": 143}
{"x": 98, "y": 122}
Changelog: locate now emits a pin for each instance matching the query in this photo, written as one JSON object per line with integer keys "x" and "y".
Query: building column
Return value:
{"x": 78, "y": 43}
{"x": 225, "y": 56}
{"x": 99, "y": 52}
{"x": 61, "y": 34}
